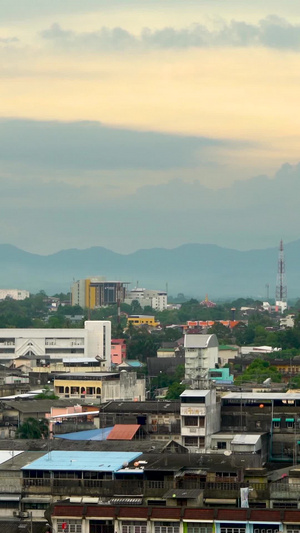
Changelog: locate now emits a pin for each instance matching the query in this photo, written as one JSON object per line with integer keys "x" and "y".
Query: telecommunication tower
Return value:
{"x": 281, "y": 286}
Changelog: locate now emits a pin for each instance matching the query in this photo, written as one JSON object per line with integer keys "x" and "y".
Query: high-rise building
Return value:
{"x": 158, "y": 300}
{"x": 97, "y": 292}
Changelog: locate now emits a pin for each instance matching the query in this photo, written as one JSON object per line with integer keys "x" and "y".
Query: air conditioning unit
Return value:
{"x": 15, "y": 513}
{"x": 24, "y": 514}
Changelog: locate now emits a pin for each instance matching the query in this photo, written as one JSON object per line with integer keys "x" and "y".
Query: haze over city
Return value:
{"x": 137, "y": 124}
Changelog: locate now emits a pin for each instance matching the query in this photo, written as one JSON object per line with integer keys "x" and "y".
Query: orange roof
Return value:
{"x": 123, "y": 432}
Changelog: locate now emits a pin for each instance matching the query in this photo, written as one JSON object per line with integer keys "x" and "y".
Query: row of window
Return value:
{"x": 75, "y": 526}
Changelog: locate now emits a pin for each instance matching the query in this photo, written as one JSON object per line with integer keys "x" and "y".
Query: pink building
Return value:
{"x": 118, "y": 351}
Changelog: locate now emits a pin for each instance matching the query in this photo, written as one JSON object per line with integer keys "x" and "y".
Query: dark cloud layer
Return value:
{"x": 270, "y": 32}
{"x": 90, "y": 145}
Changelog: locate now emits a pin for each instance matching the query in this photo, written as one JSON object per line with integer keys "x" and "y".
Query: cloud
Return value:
{"x": 270, "y": 32}
{"x": 93, "y": 146}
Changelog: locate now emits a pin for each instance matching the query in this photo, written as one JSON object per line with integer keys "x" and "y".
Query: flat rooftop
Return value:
{"x": 83, "y": 461}
{"x": 261, "y": 396}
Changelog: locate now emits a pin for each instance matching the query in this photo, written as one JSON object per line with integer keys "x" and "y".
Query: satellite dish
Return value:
{"x": 227, "y": 453}
{"x": 267, "y": 381}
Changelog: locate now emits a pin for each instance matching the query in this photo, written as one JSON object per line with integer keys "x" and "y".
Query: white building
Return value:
{"x": 200, "y": 418}
{"x": 93, "y": 341}
{"x": 15, "y": 294}
{"x": 158, "y": 300}
{"x": 201, "y": 353}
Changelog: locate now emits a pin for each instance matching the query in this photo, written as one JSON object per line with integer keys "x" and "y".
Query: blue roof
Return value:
{"x": 91, "y": 434}
{"x": 134, "y": 363}
{"x": 87, "y": 461}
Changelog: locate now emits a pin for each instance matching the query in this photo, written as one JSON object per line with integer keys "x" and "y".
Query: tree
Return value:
{"x": 47, "y": 394}
{"x": 175, "y": 390}
{"x": 258, "y": 371}
{"x": 33, "y": 429}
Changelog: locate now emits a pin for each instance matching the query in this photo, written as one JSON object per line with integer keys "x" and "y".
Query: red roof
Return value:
{"x": 123, "y": 432}
{"x": 133, "y": 512}
{"x": 239, "y": 515}
{"x": 265, "y": 515}
{"x": 100, "y": 511}
{"x": 166, "y": 513}
{"x": 198, "y": 514}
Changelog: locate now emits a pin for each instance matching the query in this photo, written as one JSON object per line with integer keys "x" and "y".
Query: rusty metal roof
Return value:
{"x": 123, "y": 432}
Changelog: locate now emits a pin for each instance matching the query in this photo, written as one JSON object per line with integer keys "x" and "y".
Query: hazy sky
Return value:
{"x": 134, "y": 124}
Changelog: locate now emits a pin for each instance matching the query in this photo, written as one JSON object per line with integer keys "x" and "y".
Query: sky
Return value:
{"x": 149, "y": 123}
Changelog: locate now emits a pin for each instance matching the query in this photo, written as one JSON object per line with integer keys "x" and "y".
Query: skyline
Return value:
{"x": 137, "y": 124}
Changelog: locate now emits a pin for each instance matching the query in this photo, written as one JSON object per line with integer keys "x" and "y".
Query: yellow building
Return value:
{"x": 96, "y": 292}
{"x": 141, "y": 320}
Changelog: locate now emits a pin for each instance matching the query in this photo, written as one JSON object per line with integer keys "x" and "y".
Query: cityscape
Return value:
{"x": 149, "y": 266}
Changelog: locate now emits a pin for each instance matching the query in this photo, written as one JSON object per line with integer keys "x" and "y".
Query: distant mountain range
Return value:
{"x": 194, "y": 269}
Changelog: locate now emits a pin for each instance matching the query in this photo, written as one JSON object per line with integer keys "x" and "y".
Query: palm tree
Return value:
{"x": 33, "y": 428}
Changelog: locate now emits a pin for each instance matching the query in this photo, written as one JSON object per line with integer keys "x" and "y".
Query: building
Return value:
{"x": 14, "y": 294}
{"x": 118, "y": 351}
{"x": 142, "y": 320}
{"x": 97, "y": 292}
{"x": 200, "y": 418}
{"x": 94, "y": 341}
{"x": 102, "y": 386}
{"x": 158, "y": 300}
{"x": 91, "y": 518}
{"x": 159, "y": 419}
{"x": 201, "y": 354}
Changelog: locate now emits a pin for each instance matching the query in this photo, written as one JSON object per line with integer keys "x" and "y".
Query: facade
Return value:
{"x": 94, "y": 340}
{"x": 142, "y": 320}
{"x": 201, "y": 354}
{"x": 14, "y": 294}
{"x": 118, "y": 351}
{"x": 158, "y": 300}
{"x": 102, "y": 386}
{"x": 200, "y": 418}
{"x": 97, "y": 292}
{"x": 109, "y": 519}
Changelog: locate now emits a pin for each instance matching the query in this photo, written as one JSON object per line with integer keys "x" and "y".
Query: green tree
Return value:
{"x": 33, "y": 429}
{"x": 175, "y": 390}
{"x": 258, "y": 371}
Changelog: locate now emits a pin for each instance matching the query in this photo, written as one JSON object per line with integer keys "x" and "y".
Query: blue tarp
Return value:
{"x": 92, "y": 434}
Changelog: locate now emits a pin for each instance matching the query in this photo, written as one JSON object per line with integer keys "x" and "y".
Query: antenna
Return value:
{"x": 267, "y": 291}
{"x": 281, "y": 287}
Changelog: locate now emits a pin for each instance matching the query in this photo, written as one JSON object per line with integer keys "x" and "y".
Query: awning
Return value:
{"x": 10, "y": 498}
{"x": 290, "y": 420}
{"x": 221, "y": 501}
{"x": 89, "y": 500}
{"x": 126, "y": 501}
{"x": 276, "y": 419}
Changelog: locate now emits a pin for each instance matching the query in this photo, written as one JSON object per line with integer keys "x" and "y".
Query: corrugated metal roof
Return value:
{"x": 245, "y": 439}
{"x": 185, "y": 494}
{"x": 123, "y": 432}
{"x": 82, "y": 461}
{"x": 200, "y": 341}
{"x": 91, "y": 434}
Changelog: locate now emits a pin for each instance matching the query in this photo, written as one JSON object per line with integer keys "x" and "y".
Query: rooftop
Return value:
{"x": 123, "y": 432}
{"x": 200, "y": 341}
{"x": 194, "y": 393}
{"x": 159, "y": 406}
{"x": 262, "y": 396}
{"x": 82, "y": 461}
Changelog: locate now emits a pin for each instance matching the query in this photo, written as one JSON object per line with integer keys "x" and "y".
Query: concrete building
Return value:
{"x": 201, "y": 354}
{"x": 200, "y": 418}
{"x": 158, "y": 300}
{"x": 143, "y": 320}
{"x": 14, "y": 294}
{"x": 94, "y": 341}
{"x": 102, "y": 386}
{"x": 97, "y": 292}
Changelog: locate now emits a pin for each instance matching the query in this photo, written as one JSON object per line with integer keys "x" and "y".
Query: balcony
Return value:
{"x": 194, "y": 431}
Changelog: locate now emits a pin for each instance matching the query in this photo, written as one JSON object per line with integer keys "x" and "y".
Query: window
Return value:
{"x": 191, "y": 421}
{"x": 166, "y": 527}
{"x": 290, "y": 424}
{"x": 196, "y": 527}
{"x": 221, "y": 445}
{"x": 134, "y": 527}
{"x": 191, "y": 441}
{"x": 276, "y": 424}
{"x": 73, "y": 526}
{"x": 233, "y": 530}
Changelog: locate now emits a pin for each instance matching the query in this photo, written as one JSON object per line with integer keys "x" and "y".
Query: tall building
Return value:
{"x": 201, "y": 354}
{"x": 158, "y": 300}
{"x": 14, "y": 294}
{"x": 97, "y": 292}
{"x": 93, "y": 341}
